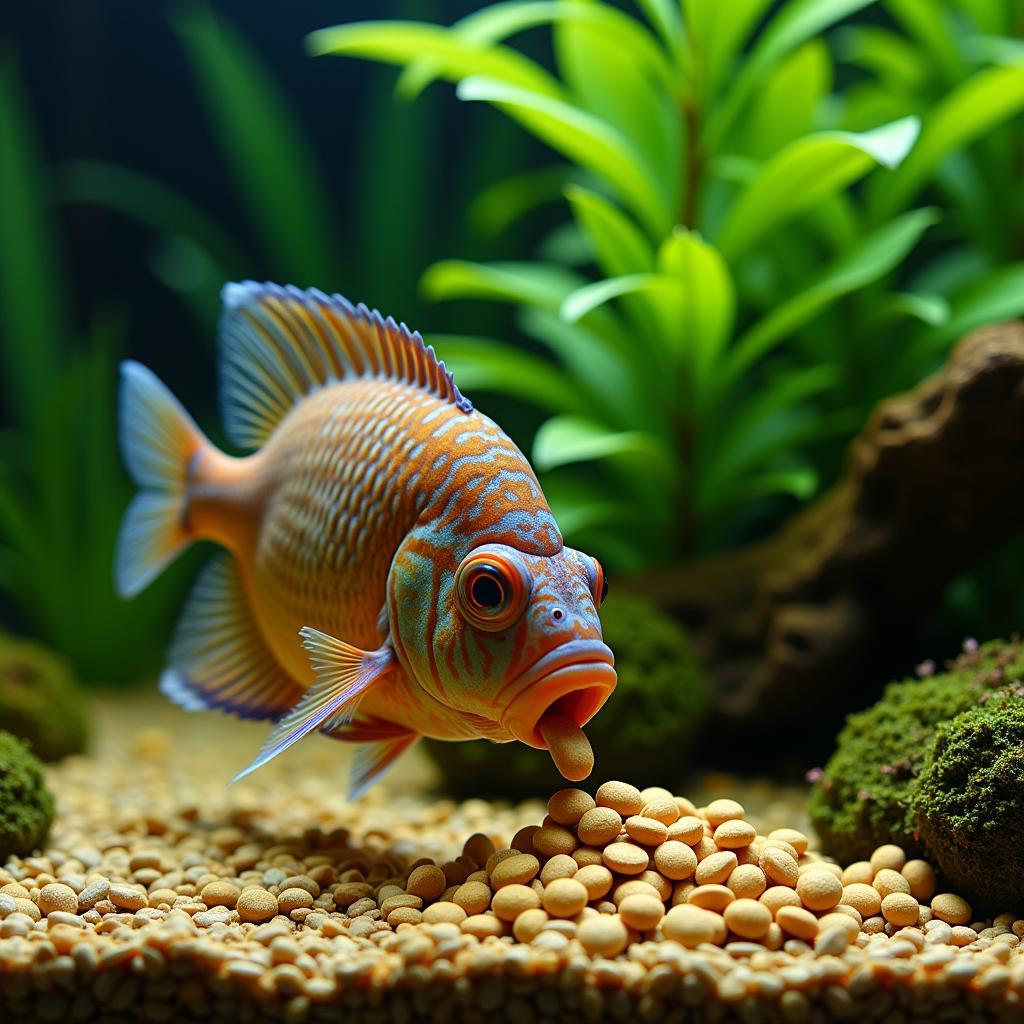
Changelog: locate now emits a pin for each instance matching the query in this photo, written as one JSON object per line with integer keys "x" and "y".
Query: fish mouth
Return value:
{"x": 573, "y": 680}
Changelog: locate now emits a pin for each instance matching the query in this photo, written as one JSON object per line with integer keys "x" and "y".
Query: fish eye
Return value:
{"x": 490, "y": 591}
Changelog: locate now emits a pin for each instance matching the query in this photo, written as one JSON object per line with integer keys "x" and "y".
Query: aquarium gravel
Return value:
{"x": 164, "y": 896}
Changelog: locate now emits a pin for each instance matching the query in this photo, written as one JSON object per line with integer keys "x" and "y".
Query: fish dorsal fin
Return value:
{"x": 279, "y": 343}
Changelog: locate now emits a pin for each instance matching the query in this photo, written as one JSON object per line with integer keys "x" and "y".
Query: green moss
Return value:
{"x": 864, "y": 798}
{"x": 968, "y": 801}
{"x": 40, "y": 699}
{"x": 644, "y": 732}
{"x": 26, "y": 805}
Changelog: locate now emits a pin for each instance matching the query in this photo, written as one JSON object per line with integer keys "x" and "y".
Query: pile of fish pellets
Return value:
{"x": 164, "y": 897}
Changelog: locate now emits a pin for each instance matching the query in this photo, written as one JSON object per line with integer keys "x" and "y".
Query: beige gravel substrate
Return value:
{"x": 165, "y": 896}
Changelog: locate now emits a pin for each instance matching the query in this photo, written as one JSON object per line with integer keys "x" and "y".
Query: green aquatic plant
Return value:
{"x": 646, "y": 731}
{"x": 866, "y": 794}
{"x": 967, "y": 801}
{"x": 40, "y": 699}
{"x": 26, "y": 803}
{"x": 735, "y": 284}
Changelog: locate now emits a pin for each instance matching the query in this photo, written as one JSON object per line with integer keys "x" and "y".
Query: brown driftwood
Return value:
{"x": 791, "y": 628}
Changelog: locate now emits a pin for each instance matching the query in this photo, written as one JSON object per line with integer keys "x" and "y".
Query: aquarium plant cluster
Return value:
{"x": 937, "y": 767}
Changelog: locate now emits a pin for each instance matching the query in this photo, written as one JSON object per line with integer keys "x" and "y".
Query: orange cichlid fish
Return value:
{"x": 391, "y": 567}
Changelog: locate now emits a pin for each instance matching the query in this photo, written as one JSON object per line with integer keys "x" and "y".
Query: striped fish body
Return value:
{"x": 373, "y": 484}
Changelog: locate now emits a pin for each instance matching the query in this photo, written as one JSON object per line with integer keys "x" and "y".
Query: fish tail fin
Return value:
{"x": 158, "y": 440}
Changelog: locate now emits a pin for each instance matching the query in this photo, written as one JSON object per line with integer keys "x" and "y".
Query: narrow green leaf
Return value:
{"x": 796, "y": 483}
{"x": 563, "y": 440}
{"x": 716, "y": 32}
{"x": 933, "y": 310}
{"x": 454, "y": 55}
{"x": 806, "y": 172}
{"x": 33, "y": 325}
{"x": 274, "y": 169}
{"x": 497, "y": 207}
{"x": 966, "y": 113}
{"x": 581, "y": 137}
{"x": 487, "y": 365}
{"x": 664, "y": 16}
{"x": 874, "y": 256}
{"x": 892, "y": 60}
{"x": 590, "y": 296}
{"x": 928, "y": 24}
{"x": 619, "y": 245}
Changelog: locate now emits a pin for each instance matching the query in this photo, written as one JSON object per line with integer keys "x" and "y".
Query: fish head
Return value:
{"x": 507, "y": 635}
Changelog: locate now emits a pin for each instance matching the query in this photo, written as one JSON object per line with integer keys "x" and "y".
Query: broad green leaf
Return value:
{"x": 274, "y": 169}
{"x": 796, "y": 22}
{"x": 488, "y": 365}
{"x": 581, "y": 137}
{"x": 965, "y": 114}
{"x": 874, "y": 256}
{"x": 563, "y": 440}
{"x": 453, "y": 56}
{"x": 784, "y": 108}
{"x": 706, "y": 304}
{"x": 806, "y": 172}
{"x": 33, "y": 326}
{"x": 506, "y": 202}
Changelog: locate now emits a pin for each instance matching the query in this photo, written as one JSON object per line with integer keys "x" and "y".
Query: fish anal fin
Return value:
{"x": 343, "y": 676}
{"x": 372, "y": 760}
{"x": 280, "y": 343}
{"x": 218, "y": 658}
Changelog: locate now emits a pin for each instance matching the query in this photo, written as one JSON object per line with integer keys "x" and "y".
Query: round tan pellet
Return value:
{"x": 523, "y": 839}
{"x": 511, "y": 900}
{"x": 641, "y": 911}
{"x": 554, "y": 839}
{"x": 294, "y": 899}
{"x": 779, "y": 865}
{"x": 404, "y": 915}
{"x": 711, "y": 897}
{"x": 427, "y": 881}
{"x": 473, "y": 897}
{"x": 632, "y": 886}
{"x": 599, "y": 826}
{"x": 520, "y": 869}
{"x": 863, "y": 898}
{"x": 852, "y": 912}
{"x": 951, "y": 908}
{"x": 658, "y": 881}
{"x": 661, "y": 808}
{"x": 675, "y": 860}
{"x": 559, "y": 866}
{"x": 585, "y": 855}
{"x": 819, "y": 890}
{"x": 596, "y": 879}
{"x": 834, "y": 920}
{"x": 859, "y": 871}
{"x": 748, "y": 881}
{"x": 795, "y": 838}
{"x": 567, "y": 806}
{"x": 714, "y": 870}
{"x": 921, "y": 877}
{"x": 478, "y": 848}
{"x": 621, "y": 797}
{"x": 723, "y": 810}
{"x": 564, "y": 897}
{"x": 646, "y": 831}
{"x": 256, "y": 905}
{"x": 888, "y": 856}
{"x": 889, "y": 880}
{"x": 901, "y": 909}
{"x": 734, "y": 834}
{"x": 796, "y": 921}
{"x": 445, "y": 913}
{"x": 57, "y": 897}
{"x": 748, "y": 918}
{"x": 529, "y": 924}
{"x": 779, "y": 896}
{"x": 603, "y": 935}
{"x": 691, "y": 926}
{"x": 625, "y": 858}
{"x": 687, "y": 829}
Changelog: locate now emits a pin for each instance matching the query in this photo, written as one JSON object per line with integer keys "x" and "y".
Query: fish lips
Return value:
{"x": 574, "y": 679}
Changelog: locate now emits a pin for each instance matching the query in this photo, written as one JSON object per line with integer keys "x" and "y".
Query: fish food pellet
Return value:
{"x": 520, "y": 869}
{"x": 553, "y": 839}
{"x": 900, "y": 908}
{"x": 865, "y": 899}
{"x": 646, "y": 831}
{"x": 473, "y": 897}
{"x": 780, "y": 896}
{"x": 747, "y": 881}
{"x": 951, "y": 908}
{"x": 641, "y": 911}
{"x": 723, "y": 810}
{"x": 748, "y": 918}
{"x": 687, "y": 829}
{"x": 568, "y": 745}
{"x": 510, "y": 901}
{"x": 795, "y": 838}
{"x": 604, "y": 935}
{"x": 675, "y": 860}
{"x": 256, "y": 905}
{"x": 796, "y": 921}
{"x": 819, "y": 890}
{"x": 921, "y": 878}
{"x": 711, "y": 897}
{"x": 427, "y": 881}
{"x": 599, "y": 826}
{"x": 734, "y": 834}
{"x": 564, "y": 897}
{"x": 620, "y": 797}
{"x": 220, "y": 894}
{"x": 888, "y": 856}
{"x": 889, "y": 880}
{"x": 692, "y": 926}
{"x": 57, "y": 897}
{"x": 779, "y": 866}
{"x": 567, "y": 806}
{"x": 625, "y": 858}
{"x": 559, "y": 866}
{"x": 661, "y": 807}
{"x": 716, "y": 868}
{"x": 529, "y": 924}
{"x": 294, "y": 899}
{"x": 596, "y": 879}
{"x": 445, "y": 913}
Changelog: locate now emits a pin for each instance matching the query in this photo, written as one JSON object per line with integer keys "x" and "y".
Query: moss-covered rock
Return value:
{"x": 26, "y": 805}
{"x": 968, "y": 802}
{"x": 864, "y": 798}
{"x": 644, "y": 732}
{"x": 40, "y": 699}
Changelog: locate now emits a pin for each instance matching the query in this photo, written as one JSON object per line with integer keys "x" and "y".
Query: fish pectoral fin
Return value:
{"x": 343, "y": 676}
{"x": 372, "y": 760}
